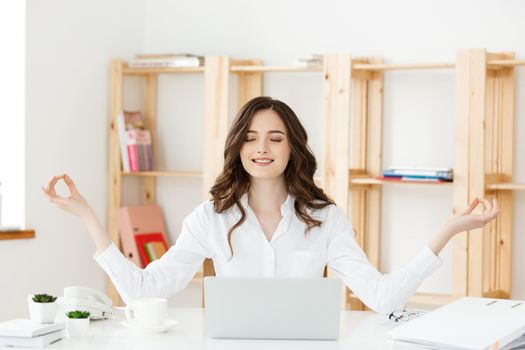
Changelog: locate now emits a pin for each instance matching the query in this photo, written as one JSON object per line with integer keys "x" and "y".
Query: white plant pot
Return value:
{"x": 78, "y": 327}
{"x": 41, "y": 312}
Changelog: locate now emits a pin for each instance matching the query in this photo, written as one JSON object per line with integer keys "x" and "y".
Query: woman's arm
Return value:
{"x": 78, "y": 206}
{"x": 465, "y": 221}
{"x": 161, "y": 278}
{"x": 387, "y": 292}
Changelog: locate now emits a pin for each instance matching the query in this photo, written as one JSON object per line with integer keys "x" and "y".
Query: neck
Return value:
{"x": 267, "y": 195}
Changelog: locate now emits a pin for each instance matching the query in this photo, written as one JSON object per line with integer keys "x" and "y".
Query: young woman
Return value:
{"x": 267, "y": 218}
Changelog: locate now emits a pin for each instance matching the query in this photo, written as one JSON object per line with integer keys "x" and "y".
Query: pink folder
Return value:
{"x": 138, "y": 220}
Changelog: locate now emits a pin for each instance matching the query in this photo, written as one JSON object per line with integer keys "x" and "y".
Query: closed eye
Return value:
{"x": 276, "y": 140}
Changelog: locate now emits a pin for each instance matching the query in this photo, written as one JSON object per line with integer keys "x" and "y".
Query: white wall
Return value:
{"x": 69, "y": 45}
{"x": 418, "y": 106}
{"x": 68, "y": 50}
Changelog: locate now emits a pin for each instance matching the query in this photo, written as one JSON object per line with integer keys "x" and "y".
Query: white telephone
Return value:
{"x": 87, "y": 299}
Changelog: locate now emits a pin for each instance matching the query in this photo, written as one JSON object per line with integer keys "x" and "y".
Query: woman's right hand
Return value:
{"x": 75, "y": 203}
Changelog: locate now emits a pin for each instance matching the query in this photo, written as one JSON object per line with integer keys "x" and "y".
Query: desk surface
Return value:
{"x": 359, "y": 330}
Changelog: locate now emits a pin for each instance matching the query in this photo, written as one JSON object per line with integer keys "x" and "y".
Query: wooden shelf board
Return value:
{"x": 359, "y": 66}
{"x": 432, "y": 65}
{"x": 20, "y": 234}
{"x": 164, "y": 173}
{"x": 291, "y": 69}
{"x": 506, "y": 186}
{"x": 506, "y": 63}
{"x": 144, "y": 71}
{"x": 402, "y": 66}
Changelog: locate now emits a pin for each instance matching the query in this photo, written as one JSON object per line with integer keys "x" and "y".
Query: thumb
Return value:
{"x": 471, "y": 207}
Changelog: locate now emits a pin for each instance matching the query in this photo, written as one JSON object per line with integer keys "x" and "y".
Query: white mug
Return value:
{"x": 148, "y": 312}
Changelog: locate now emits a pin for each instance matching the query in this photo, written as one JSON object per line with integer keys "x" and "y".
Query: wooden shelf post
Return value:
{"x": 484, "y": 145}
{"x": 115, "y": 176}
{"x": 337, "y": 78}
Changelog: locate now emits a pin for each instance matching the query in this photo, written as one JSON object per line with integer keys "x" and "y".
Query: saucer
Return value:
{"x": 138, "y": 327}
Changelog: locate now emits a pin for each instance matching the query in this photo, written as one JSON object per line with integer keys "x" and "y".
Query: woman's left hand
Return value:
{"x": 467, "y": 221}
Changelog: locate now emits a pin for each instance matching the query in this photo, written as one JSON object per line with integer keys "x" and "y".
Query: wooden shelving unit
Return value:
{"x": 483, "y": 166}
{"x": 352, "y": 118}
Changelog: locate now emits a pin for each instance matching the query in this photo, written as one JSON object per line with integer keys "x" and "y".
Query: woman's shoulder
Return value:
{"x": 326, "y": 211}
{"x": 206, "y": 209}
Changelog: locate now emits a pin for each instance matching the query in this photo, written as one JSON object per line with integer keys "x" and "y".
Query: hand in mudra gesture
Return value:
{"x": 75, "y": 203}
{"x": 467, "y": 221}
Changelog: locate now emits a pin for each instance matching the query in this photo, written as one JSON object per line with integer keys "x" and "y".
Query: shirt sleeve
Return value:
{"x": 169, "y": 274}
{"x": 382, "y": 293}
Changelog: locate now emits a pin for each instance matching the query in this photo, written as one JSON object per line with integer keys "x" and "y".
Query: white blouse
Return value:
{"x": 289, "y": 253}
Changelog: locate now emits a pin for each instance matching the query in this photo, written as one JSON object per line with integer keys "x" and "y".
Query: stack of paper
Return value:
{"x": 28, "y": 333}
{"x": 468, "y": 323}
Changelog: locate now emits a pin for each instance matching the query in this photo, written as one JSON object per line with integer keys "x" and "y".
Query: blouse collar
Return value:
{"x": 286, "y": 207}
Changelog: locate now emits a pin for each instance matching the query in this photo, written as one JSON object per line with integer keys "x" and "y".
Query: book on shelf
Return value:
{"x": 411, "y": 179}
{"x": 166, "y": 61}
{"x": 139, "y": 150}
{"x": 28, "y": 333}
{"x": 151, "y": 246}
{"x": 164, "y": 55}
{"x": 314, "y": 60}
{"x": 446, "y": 174}
{"x": 121, "y": 128}
{"x": 155, "y": 249}
{"x": 144, "y": 149}
{"x": 135, "y": 142}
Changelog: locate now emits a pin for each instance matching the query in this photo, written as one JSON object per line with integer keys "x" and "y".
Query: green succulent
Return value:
{"x": 43, "y": 298}
{"x": 78, "y": 314}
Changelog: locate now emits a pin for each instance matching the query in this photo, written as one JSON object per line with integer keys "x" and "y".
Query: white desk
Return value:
{"x": 359, "y": 330}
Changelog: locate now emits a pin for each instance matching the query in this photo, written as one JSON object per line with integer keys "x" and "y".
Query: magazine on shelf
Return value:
{"x": 163, "y": 55}
{"x": 439, "y": 173}
{"x": 166, "y": 61}
{"x": 412, "y": 179}
{"x": 313, "y": 60}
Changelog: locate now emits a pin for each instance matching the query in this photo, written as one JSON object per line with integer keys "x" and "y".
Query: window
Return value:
{"x": 12, "y": 112}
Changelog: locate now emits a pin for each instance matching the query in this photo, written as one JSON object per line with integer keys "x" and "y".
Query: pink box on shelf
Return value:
{"x": 135, "y": 220}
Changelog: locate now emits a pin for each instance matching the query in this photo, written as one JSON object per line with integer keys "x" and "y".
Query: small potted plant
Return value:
{"x": 42, "y": 308}
{"x": 78, "y": 323}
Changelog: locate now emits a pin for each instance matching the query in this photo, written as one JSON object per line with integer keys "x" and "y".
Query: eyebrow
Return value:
{"x": 269, "y": 132}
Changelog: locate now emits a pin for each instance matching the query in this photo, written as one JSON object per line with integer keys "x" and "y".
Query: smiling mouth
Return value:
{"x": 262, "y": 161}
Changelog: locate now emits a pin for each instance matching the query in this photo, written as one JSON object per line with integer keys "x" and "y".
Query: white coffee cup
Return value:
{"x": 148, "y": 312}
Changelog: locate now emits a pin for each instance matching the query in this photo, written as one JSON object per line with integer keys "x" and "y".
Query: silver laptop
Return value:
{"x": 272, "y": 308}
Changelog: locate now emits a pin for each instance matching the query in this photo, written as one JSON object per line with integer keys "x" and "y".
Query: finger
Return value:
{"x": 495, "y": 207}
{"x": 70, "y": 184}
{"x": 471, "y": 207}
{"x": 487, "y": 207}
{"x": 50, "y": 187}
{"x": 46, "y": 194}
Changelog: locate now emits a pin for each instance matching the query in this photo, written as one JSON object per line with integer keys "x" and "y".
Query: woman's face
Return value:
{"x": 266, "y": 149}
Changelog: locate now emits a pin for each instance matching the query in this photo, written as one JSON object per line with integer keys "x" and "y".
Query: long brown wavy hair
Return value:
{"x": 234, "y": 181}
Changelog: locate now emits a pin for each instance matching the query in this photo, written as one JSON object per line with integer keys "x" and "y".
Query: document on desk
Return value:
{"x": 468, "y": 323}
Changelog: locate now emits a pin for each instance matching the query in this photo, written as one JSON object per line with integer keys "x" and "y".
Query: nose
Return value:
{"x": 262, "y": 147}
